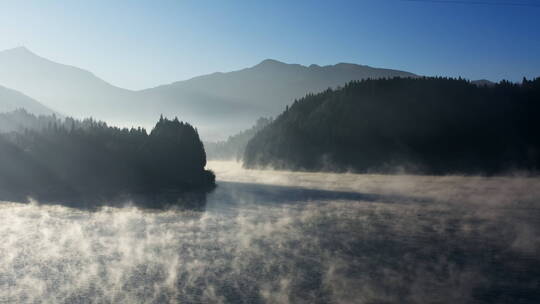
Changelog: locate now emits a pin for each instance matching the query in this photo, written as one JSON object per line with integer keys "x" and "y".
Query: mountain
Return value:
{"x": 65, "y": 88}
{"x": 422, "y": 125}
{"x": 11, "y": 100}
{"x": 236, "y": 98}
{"x": 220, "y": 104}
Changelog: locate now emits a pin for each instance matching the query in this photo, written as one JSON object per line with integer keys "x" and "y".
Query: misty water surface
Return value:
{"x": 281, "y": 237}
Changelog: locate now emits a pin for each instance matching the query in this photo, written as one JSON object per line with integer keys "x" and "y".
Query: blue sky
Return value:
{"x": 140, "y": 44}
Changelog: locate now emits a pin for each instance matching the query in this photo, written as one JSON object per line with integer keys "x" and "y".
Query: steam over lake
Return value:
{"x": 282, "y": 237}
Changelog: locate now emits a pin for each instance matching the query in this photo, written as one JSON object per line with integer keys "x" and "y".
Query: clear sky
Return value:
{"x": 140, "y": 44}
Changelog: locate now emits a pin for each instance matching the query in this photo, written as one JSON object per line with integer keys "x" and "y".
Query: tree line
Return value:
{"x": 60, "y": 158}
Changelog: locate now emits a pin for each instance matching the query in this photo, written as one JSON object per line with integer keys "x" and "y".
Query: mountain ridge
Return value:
{"x": 68, "y": 89}
{"x": 24, "y": 51}
{"x": 219, "y": 104}
{"x": 11, "y": 100}
{"x": 273, "y": 63}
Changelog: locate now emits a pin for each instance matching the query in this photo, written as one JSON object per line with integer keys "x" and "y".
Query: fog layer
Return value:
{"x": 282, "y": 237}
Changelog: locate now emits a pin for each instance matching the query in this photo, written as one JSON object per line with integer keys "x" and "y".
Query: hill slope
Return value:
{"x": 67, "y": 89}
{"x": 11, "y": 100}
{"x": 425, "y": 125}
{"x": 233, "y": 148}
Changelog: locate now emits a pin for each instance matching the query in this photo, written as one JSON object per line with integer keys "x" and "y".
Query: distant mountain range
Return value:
{"x": 11, "y": 100}
{"x": 219, "y": 104}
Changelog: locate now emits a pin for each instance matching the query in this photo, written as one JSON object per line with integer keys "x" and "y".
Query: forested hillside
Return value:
{"x": 21, "y": 120}
{"x": 233, "y": 148}
{"x": 423, "y": 125}
{"x": 70, "y": 159}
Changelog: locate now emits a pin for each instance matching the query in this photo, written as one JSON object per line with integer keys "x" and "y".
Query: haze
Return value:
{"x": 368, "y": 151}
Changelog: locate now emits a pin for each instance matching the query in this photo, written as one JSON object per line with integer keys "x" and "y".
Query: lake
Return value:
{"x": 281, "y": 237}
